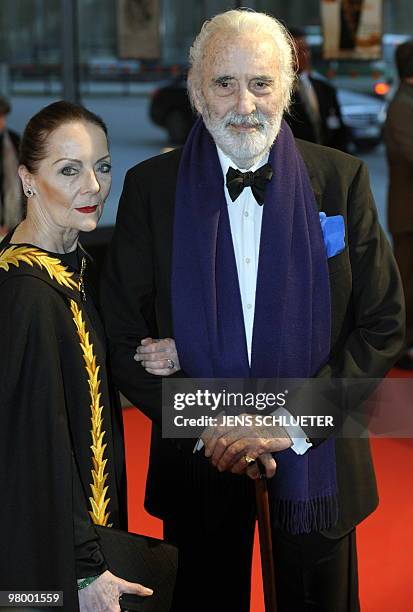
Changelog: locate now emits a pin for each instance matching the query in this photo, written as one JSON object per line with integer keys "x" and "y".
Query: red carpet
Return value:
{"x": 385, "y": 539}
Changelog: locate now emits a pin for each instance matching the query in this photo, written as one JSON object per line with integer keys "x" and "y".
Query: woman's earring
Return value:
{"x": 29, "y": 192}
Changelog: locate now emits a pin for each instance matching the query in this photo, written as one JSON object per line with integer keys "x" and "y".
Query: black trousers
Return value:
{"x": 313, "y": 573}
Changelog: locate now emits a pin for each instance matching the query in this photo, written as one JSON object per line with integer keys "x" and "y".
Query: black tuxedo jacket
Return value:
{"x": 367, "y": 318}
{"x": 333, "y": 131}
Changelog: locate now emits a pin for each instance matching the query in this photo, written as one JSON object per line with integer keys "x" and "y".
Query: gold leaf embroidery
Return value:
{"x": 14, "y": 255}
{"x": 98, "y": 500}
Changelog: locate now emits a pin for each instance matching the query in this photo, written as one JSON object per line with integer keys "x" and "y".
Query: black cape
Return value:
{"x": 52, "y": 377}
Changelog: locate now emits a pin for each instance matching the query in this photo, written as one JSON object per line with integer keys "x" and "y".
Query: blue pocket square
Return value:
{"x": 333, "y": 233}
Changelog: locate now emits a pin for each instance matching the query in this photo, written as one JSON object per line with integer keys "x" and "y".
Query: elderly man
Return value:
{"x": 219, "y": 248}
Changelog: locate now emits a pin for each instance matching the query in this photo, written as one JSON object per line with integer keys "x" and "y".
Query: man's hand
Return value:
{"x": 227, "y": 447}
{"x": 158, "y": 356}
{"x": 253, "y": 471}
{"x": 103, "y": 594}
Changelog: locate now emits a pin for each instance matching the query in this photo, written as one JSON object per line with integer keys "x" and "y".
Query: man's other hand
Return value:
{"x": 227, "y": 447}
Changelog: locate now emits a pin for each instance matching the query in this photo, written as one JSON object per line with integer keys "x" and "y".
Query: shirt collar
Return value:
{"x": 226, "y": 162}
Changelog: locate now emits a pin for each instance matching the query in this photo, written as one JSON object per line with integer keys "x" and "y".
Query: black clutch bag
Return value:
{"x": 148, "y": 561}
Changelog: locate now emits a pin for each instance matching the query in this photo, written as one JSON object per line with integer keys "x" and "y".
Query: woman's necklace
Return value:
{"x": 81, "y": 279}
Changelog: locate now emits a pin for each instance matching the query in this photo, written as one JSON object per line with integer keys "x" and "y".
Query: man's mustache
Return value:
{"x": 255, "y": 119}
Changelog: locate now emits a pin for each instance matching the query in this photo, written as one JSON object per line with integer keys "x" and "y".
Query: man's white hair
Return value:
{"x": 243, "y": 22}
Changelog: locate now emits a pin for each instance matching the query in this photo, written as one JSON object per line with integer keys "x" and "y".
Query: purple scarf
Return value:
{"x": 291, "y": 333}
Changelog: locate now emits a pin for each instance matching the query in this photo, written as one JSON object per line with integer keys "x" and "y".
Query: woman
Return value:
{"x": 61, "y": 441}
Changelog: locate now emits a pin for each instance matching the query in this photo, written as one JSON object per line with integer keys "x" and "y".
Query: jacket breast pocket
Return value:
{"x": 339, "y": 263}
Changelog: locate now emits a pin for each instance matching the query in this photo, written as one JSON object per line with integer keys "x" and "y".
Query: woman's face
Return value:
{"x": 72, "y": 182}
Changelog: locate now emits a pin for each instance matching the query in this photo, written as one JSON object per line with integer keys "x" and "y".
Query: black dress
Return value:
{"x": 61, "y": 437}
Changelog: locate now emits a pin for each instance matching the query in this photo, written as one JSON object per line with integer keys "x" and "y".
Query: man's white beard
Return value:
{"x": 243, "y": 148}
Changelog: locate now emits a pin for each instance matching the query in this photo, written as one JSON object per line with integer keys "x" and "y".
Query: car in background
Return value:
{"x": 363, "y": 115}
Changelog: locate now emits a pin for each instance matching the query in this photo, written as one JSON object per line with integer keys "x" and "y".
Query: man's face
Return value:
{"x": 240, "y": 99}
{"x": 2, "y": 123}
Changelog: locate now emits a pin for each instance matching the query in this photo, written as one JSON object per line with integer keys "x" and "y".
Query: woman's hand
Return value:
{"x": 158, "y": 356}
{"x": 103, "y": 594}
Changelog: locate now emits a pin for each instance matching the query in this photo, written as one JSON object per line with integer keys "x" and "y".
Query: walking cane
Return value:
{"x": 264, "y": 530}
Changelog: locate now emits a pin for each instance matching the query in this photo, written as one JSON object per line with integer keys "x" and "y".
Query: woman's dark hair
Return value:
{"x": 33, "y": 146}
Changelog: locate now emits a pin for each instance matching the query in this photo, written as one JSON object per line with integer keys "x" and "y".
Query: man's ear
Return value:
{"x": 194, "y": 86}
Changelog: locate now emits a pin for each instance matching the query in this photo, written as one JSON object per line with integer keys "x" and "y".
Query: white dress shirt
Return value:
{"x": 245, "y": 217}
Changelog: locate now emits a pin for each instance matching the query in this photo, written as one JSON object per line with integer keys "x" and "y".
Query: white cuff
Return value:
{"x": 198, "y": 445}
{"x": 300, "y": 442}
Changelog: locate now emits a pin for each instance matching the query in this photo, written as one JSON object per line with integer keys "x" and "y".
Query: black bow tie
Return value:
{"x": 237, "y": 180}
